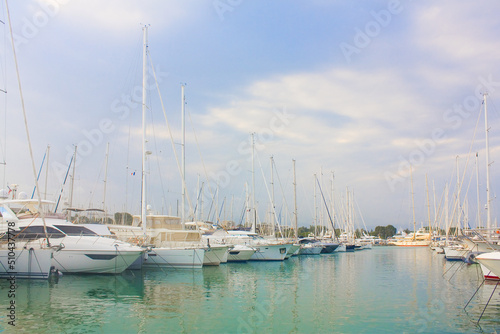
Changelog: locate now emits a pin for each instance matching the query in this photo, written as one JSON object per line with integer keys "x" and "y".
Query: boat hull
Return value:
{"x": 311, "y": 250}
{"x": 215, "y": 255}
{"x": 491, "y": 261}
{"x": 455, "y": 254}
{"x": 329, "y": 248}
{"x": 94, "y": 261}
{"x": 270, "y": 252}
{"x": 28, "y": 263}
{"x": 487, "y": 273}
{"x": 175, "y": 258}
{"x": 294, "y": 250}
{"x": 93, "y": 255}
{"x": 240, "y": 253}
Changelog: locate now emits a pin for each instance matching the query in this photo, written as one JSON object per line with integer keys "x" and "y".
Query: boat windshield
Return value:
{"x": 35, "y": 232}
{"x": 75, "y": 230}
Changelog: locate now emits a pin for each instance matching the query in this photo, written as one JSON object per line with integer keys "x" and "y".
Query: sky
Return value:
{"x": 359, "y": 91}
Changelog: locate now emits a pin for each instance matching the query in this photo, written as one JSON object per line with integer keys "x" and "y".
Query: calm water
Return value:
{"x": 383, "y": 290}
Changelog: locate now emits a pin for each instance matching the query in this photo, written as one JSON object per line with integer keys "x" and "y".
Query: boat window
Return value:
{"x": 75, "y": 230}
{"x": 35, "y": 232}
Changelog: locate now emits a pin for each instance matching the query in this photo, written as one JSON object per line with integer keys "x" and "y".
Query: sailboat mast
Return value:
{"x": 458, "y": 204}
{"x": 488, "y": 199}
{"x": 183, "y": 201}
{"x": 254, "y": 213}
{"x": 333, "y": 206}
{"x": 477, "y": 193}
{"x": 72, "y": 186}
{"x": 428, "y": 206}
{"x": 144, "y": 80}
{"x": 273, "y": 212}
{"x": 315, "y": 208}
{"x": 296, "y": 227}
{"x": 413, "y": 206}
{"x": 46, "y": 172}
{"x": 105, "y": 183}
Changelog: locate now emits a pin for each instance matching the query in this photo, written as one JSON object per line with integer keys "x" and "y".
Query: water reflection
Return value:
{"x": 387, "y": 289}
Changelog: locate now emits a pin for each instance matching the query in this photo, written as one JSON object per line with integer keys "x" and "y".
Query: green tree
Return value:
{"x": 123, "y": 218}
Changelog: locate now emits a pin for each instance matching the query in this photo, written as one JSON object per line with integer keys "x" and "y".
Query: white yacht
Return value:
{"x": 168, "y": 243}
{"x": 491, "y": 261}
{"x": 77, "y": 249}
{"x": 265, "y": 249}
{"x": 24, "y": 261}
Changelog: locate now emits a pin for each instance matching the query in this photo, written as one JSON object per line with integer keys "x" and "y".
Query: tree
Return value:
{"x": 384, "y": 232}
{"x": 124, "y": 217}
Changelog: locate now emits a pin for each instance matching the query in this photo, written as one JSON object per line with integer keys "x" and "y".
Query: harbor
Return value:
{"x": 383, "y": 290}
{"x": 249, "y": 167}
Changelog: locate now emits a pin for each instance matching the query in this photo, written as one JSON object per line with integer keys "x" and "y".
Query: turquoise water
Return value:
{"x": 383, "y": 290}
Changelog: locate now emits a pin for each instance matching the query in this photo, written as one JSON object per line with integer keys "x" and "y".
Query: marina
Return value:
{"x": 383, "y": 290}
{"x": 194, "y": 167}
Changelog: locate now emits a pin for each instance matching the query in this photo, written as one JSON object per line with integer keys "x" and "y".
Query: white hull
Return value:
{"x": 270, "y": 252}
{"x": 215, "y": 255}
{"x": 176, "y": 258}
{"x": 412, "y": 243}
{"x": 455, "y": 254}
{"x": 294, "y": 250}
{"x": 480, "y": 246}
{"x": 491, "y": 261}
{"x": 309, "y": 249}
{"x": 240, "y": 253}
{"x": 28, "y": 263}
{"x": 93, "y": 255}
{"x": 340, "y": 248}
{"x": 487, "y": 273}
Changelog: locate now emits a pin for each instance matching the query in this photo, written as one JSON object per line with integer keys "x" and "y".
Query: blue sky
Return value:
{"x": 360, "y": 89}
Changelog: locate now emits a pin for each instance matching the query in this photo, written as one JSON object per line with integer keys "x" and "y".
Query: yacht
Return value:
{"x": 77, "y": 249}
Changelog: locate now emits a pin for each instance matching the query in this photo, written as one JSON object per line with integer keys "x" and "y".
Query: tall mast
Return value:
{"x": 428, "y": 205}
{"x": 446, "y": 213}
{"x": 144, "y": 81}
{"x": 46, "y": 172}
{"x": 477, "y": 193}
{"x": 458, "y": 204}
{"x": 72, "y": 184}
{"x": 315, "y": 208}
{"x": 488, "y": 199}
{"x": 273, "y": 212}
{"x": 413, "y": 206}
{"x": 183, "y": 145}
{"x": 295, "y": 227}
{"x": 254, "y": 213}
{"x": 105, "y": 183}
{"x": 333, "y": 206}
{"x": 42, "y": 214}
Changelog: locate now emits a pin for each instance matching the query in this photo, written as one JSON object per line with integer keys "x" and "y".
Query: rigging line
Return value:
{"x": 171, "y": 135}
{"x": 157, "y": 158}
{"x": 199, "y": 151}
{"x": 457, "y": 200}
{"x": 270, "y": 198}
{"x": 475, "y": 292}
{"x": 4, "y": 146}
{"x": 39, "y": 171}
{"x": 488, "y": 302}
{"x": 328, "y": 211}
{"x": 25, "y": 119}
{"x": 282, "y": 191}
{"x": 360, "y": 214}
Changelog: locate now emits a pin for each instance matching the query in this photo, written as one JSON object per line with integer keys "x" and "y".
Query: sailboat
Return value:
{"x": 17, "y": 259}
{"x": 168, "y": 244}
